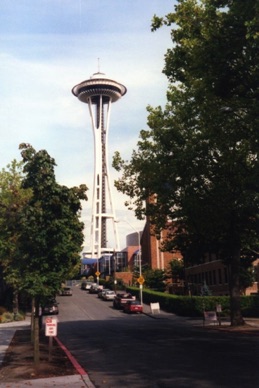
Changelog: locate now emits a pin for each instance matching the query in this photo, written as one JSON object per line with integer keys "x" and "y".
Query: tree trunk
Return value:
{"x": 236, "y": 318}
{"x": 15, "y": 303}
{"x": 32, "y": 319}
{"x": 36, "y": 336}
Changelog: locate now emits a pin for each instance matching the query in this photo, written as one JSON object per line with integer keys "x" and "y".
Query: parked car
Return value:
{"x": 50, "y": 307}
{"x": 121, "y": 299}
{"x": 95, "y": 288}
{"x": 133, "y": 306}
{"x": 66, "y": 291}
{"x": 109, "y": 295}
{"x": 85, "y": 285}
{"x": 102, "y": 292}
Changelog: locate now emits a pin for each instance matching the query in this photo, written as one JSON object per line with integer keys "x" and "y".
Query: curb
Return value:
{"x": 76, "y": 364}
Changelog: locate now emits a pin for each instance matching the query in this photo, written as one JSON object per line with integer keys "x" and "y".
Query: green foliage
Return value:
{"x": 198, "y": 162}
{"x": 7, "y": 317}
{"x": 12, "y": 200}
{"x": 194, "y": 306}
{"x": 110, "y": 284}
{"x": 154, "y": 279}
{"x": 2, "y": 310}
{"x": 50, "y": 231}
{"x": 176, "y": 270}
{"x": 205, "y": 291}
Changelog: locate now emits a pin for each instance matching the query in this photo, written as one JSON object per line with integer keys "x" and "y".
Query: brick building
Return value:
{"x": 151, "y": 249}
{"x": 215, "y": 275}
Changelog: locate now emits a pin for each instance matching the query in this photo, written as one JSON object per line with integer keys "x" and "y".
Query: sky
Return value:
{"x": 49, "y": 46}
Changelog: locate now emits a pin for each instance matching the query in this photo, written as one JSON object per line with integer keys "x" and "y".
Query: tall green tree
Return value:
{"x": 51, "y": 233}
{"x": 199, "y": 159}
{"x": 12, "y": 199}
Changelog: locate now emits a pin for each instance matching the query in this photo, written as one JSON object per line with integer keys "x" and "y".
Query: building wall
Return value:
{"x": 216, "y": 276}
{"x": 151, "y": 252}
{"x": 213, "y": 272}
{"x": 126, "y": 277}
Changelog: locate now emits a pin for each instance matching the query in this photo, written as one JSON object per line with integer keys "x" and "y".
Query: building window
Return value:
{"x": 214, "y": 277}
{"x": 210, "y": 278}
{"x": 120, "y": 261}
{"x": 226, "y": 274}
{"x": 219, "y": 276}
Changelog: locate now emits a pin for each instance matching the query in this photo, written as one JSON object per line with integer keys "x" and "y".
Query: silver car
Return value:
{"x": 109, "y": 295}
{"x": 102, "y": 292}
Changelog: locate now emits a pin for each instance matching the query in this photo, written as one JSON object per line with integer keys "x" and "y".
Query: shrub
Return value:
{"x": 20, "y": 316}
{"x": 2, "y": 310}
{"x": 195, "y": 305}
{"x": 7, "y": 317}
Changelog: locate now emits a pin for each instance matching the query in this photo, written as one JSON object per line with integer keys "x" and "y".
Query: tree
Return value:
{"x": 12, "y": 199}
{"x": 51, "y": 234}
{"x": 176, "y": 270}
{"x": 155, "y": 279}
{"x": 199, "y": 159}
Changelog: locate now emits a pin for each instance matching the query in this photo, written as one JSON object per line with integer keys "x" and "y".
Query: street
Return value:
{"x": 121, "y": 350}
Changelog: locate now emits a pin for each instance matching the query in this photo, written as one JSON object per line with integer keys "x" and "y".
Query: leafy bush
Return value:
{"x": 20, "y": 316}
{"x": 10, "y": 317}
{"x": 195, "y": 305}
{"x": 2, "y": 310}
{"x": 7, "y": 317}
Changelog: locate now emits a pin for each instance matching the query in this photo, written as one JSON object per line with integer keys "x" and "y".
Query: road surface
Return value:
{"x": 137, "y": 351}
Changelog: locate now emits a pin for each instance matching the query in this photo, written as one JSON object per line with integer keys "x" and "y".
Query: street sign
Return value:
{"x": 97, "y": 273}
{"x": 51, "y": 326}
{"x": 141, "y": 280}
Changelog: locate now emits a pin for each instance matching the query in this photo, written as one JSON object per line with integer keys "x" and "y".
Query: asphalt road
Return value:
{"x": 119, "y": 350}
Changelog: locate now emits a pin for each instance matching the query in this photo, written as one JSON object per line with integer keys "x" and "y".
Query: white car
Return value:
{"x": 109, "y": 295}
{"x": 102, "y": 292}
{"x": 66, "y": 291}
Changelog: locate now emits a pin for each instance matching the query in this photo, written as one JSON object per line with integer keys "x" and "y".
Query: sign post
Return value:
{"x": 51, "y": 328}
{"x": 141, "y": 281}
{"x": 219, "y": 310}
{"x": 97, "y": 274}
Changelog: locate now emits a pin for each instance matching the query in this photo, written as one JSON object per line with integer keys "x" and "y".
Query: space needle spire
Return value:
{"x": 99, "y": 92}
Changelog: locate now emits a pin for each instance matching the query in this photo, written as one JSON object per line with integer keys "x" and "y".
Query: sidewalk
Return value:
{"x": 7, "y": 331}
{"x": 75, "y": 381}
{"x": 192, "y": 321}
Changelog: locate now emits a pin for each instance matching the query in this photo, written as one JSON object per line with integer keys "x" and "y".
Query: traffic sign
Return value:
{"x": 97, "y": 273}
{"x": 51, "y": 326}
{"x": 141, "y": 280}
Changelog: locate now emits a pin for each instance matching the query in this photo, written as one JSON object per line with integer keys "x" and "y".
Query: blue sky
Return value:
{"x": 47, "y": 47}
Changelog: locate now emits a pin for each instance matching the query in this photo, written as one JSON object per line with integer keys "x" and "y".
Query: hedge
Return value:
{"x": 193, "y": 306}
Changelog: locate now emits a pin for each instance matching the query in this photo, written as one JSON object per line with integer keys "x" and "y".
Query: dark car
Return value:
{"x": 50, "y": 307}
{"x": 133, "y": 306}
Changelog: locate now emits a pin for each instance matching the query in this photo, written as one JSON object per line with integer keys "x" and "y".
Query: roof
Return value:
{"x": 88, "y": 261}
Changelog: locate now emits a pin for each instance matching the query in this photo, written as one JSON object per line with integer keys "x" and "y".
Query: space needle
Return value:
{"x": 99, "y": 92}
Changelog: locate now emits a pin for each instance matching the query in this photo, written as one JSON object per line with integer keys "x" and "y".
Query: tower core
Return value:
{"x": 99, "y": 92}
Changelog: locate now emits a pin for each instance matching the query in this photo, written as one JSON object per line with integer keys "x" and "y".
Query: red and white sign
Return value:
{"x": 51, "y": 326}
